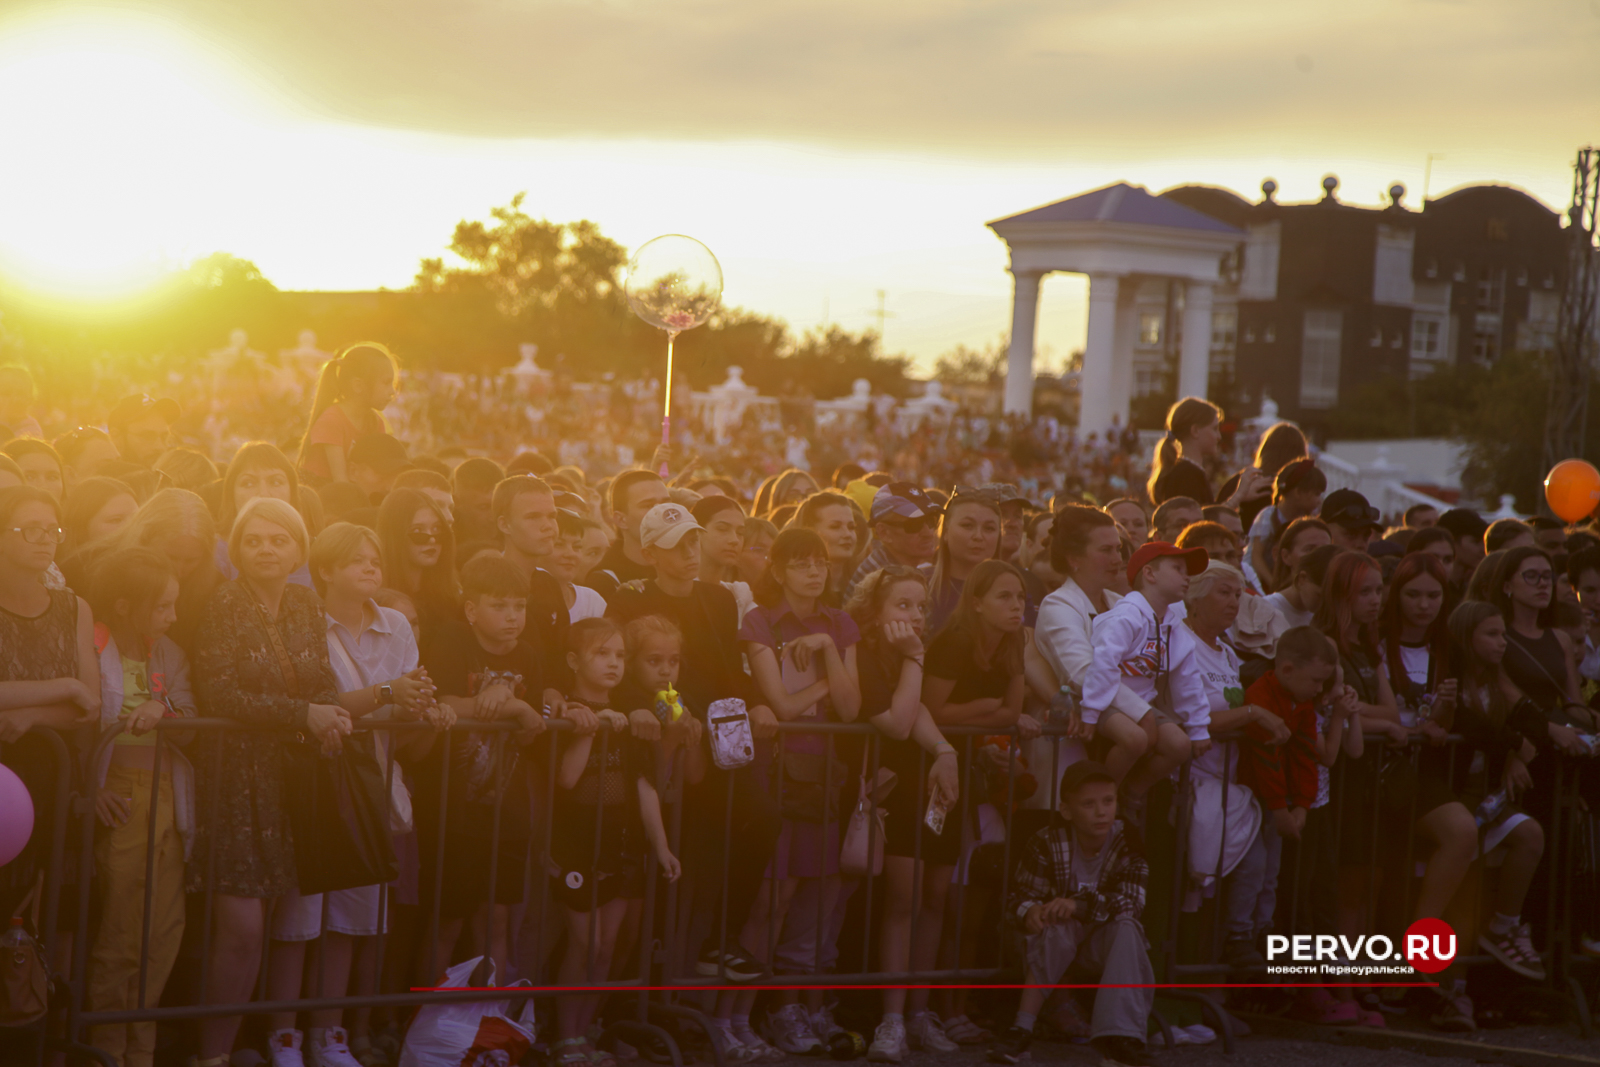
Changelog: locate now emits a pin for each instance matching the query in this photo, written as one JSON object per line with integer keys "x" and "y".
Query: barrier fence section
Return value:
{"x": 716, "y": 821}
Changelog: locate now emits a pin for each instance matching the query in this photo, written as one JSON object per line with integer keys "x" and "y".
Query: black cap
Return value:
{"x": 1348, "y": 508}
{"x": 1082, "y": 773}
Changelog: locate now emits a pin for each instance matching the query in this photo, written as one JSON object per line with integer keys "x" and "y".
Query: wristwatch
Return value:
{"x": 386, "y": 694}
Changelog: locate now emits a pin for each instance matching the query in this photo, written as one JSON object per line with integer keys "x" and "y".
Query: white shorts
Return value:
{"x": 357, "y": 912}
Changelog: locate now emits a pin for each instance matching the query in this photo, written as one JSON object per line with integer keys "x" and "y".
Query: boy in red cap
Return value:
{"x": 1142, "y": 643}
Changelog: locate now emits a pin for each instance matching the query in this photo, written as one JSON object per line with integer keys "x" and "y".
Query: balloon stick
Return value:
{"x": 666, "y": 407}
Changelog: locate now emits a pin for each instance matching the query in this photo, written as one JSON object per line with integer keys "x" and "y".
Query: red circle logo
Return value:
{"x": 1430, "y": 945}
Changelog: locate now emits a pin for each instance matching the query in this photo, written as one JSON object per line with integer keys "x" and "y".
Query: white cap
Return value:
{"x": 665, "y": 525}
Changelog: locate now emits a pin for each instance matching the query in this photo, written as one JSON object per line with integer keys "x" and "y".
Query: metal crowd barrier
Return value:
{"x": 663, "y": 986}
{"x": 1205, "y": 929}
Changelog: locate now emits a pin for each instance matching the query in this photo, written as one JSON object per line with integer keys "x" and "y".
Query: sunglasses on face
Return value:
{"x": 913, "y": 526}
{"x": 422, "y": 535}
{"x": 39, "y": 535}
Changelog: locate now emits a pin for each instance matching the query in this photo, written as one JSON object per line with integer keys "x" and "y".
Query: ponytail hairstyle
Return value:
{"x": 1345, "y": 573}
{"x": 363, "y": 361}
{"x": 1069, "y": 534}
{"x": 1183, "y": 418}
{"x": 1413, "y": 566}
{"x": 1494, "y": 590}
{"x": 793, "y": 544}
{"x": 1282, "y": 573}
{"x": 1482, "y": 683}
{"x": 1282, "y": 444}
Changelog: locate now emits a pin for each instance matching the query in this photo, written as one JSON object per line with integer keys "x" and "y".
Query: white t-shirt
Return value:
{"x": 1414, "y": 659}
{"x": 1219, "y": 672}
{"x": 588, "y": 605}
{"x": 1291, "y": 614}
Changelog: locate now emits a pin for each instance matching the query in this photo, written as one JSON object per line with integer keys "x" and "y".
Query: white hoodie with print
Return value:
{"x": 1133, "y": 649}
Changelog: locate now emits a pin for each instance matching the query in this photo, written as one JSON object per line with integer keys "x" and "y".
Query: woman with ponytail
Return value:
{"x": 352, "y": 391}
{"x": 1194, "y": 435}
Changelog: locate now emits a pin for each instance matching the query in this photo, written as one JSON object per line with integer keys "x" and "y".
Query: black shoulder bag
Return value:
{"x": 338, "y": 807}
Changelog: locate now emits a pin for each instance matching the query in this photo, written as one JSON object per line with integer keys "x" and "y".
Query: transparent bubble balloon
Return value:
{"x": 674, "y": 283}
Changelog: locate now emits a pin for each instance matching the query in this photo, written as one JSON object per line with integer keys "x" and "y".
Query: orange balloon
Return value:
{"x": 1573, "y": 489}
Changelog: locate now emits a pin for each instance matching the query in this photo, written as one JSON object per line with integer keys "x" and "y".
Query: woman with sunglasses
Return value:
{"x": 258, "y": 469}
{"x": 419, "y": 556}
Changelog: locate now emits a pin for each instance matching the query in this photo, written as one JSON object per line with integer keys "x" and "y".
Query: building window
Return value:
{"x": 1491, "y": 289}
{"x": 1150, "y": 328}
{"x": 1425, "y": 339}
{"x": 1146, "y": 381}
{"x": 1224, "y": 328}
{"x": 1485, "y": 346}
{"x": 1319, "y": 359}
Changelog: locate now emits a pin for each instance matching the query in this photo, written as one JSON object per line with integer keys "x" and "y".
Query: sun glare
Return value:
{"x": 114, "y": 130}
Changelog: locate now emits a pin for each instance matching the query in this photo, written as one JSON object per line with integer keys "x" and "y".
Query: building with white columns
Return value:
{"x": 1131, "y": 245}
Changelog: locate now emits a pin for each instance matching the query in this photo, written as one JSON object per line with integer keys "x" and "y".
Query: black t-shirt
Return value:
{"x": 615, "y": 569}
{"x": 712, "y": 667}
{"x": 460, "y": 667}
{"x": 546, "y": 629}
{"x": 878, "y": 670}
{"x": 1184, "y": 478}
{"x": 953, "y": 655}
{"x": 608, "y": 781}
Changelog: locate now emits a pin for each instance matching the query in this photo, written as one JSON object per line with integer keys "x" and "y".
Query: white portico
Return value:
{"x": 1120, "y": 236}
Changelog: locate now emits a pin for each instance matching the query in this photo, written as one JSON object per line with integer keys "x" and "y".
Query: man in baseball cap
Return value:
{"x": 1352, "y": 522}
{"x": 905, "y": 529}
{"x": 141, "y": 427}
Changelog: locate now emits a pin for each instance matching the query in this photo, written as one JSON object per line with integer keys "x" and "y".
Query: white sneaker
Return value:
{"x": 791, "y": 1031}
{"x": 760, "y": 1051}
{"x": 888, "y": 1042}
{"x": 733, "y": 1050}
{"x": 283, "y": 1049}
{"x": 332, "y": 1050}
{"x": 926, "y": 1033}
{"x": 823, "y": 1026}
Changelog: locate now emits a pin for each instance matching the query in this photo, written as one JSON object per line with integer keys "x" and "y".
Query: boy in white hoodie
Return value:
{"x": 1142, "y": 644}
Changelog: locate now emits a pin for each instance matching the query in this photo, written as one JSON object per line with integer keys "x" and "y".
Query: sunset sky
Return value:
{"x": 824, "y": 150}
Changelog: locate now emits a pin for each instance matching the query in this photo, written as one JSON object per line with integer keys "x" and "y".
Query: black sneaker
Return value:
{"x": 1011, "y": 1046}
{"x": 1122, "y": 1052}
{"x": 736, "y": 965}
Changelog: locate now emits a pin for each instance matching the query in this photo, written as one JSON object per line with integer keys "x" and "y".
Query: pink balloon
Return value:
{"x": 16, "y": 815}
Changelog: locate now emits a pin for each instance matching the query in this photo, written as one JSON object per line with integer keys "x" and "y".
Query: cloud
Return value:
{"x": 1024, "y": 79}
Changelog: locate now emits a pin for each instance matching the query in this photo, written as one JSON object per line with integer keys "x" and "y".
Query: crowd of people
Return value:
{"x": 1368, "y": 723}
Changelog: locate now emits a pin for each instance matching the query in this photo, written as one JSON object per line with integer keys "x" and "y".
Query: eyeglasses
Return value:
{"x": 423, "y": 535}
{"x": 809, "y": 564}
{"x": 39, "y": 535}
{"x": 913, "y": 526}
{"x": 1538, "y": 577}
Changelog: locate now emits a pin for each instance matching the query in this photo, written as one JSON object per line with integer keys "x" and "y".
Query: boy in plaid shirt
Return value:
{"x": 1078, "y": 895}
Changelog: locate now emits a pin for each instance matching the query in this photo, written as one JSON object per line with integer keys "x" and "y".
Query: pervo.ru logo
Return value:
{"x": 1430, "y": 946}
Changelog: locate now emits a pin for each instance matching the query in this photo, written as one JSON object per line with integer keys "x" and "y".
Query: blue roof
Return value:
{"x": 1131, "y": 204}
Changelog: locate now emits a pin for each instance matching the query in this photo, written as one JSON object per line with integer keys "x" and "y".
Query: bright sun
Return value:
{"x": 113, "y": 131}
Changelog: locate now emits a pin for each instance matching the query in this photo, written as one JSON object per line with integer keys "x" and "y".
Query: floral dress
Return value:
{"x": 243, "y": 845}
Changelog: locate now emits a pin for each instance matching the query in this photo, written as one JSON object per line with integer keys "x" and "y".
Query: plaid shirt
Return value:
{"x": 876, "y": 559}
{"x": 1045, "y": 873}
